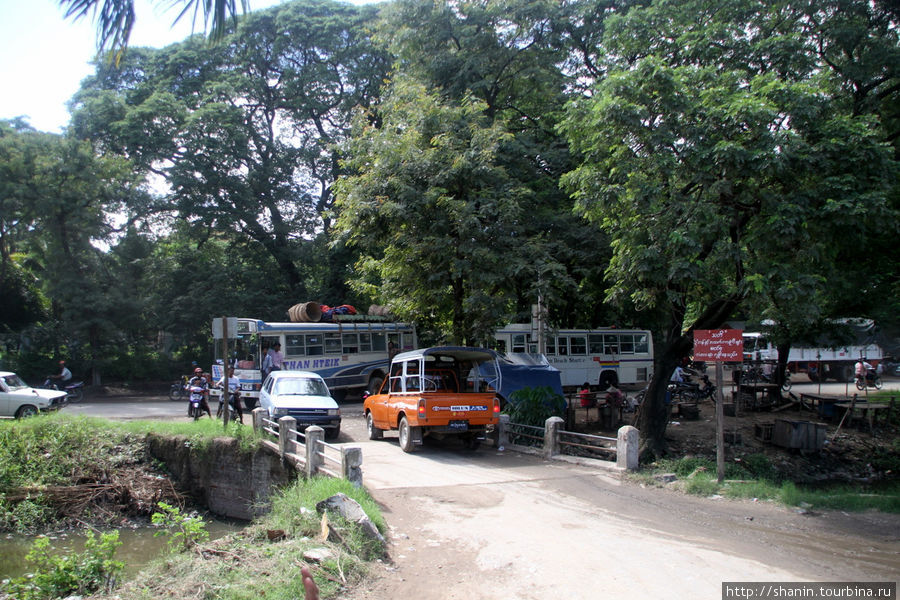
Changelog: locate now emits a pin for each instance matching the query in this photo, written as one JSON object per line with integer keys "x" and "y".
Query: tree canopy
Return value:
{"x": 723, "y": 157}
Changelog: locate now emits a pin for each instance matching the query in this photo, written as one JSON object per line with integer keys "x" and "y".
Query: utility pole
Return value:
{"x": 225, "y": 378}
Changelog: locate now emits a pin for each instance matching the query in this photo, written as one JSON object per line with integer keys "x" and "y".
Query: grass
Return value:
{"x": 60, "y": 450}
{"x": 755, "y": 477}
{"x": 248, "y": 565}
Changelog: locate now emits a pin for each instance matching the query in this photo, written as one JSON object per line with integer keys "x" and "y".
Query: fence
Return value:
{"x": 312, "y": 455}
{"x": 551, "y": 440}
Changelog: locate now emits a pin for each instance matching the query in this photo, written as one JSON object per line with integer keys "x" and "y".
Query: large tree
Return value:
{"x": 726, "y": 158}
{"x": 243, "y": 133}
{"x": 502, "y": 57}
{"x": 58, "y": 197}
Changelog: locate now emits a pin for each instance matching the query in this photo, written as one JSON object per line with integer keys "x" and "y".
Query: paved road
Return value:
{"x": 490, "y": 524}
{"x": 130, "y": 407}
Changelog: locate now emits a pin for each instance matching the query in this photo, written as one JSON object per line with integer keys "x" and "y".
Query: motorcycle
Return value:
{"x": 693, "y": 392}
{"x": 74, "y": 389}
{"x": 233, "y": 407}
{"x": 754, "y": 374}
{"x": 871, "y": 380}
{"x": 195, "y": 401}
{"x": 178, "y": 389}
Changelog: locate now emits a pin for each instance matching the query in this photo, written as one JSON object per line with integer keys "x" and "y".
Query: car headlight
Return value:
{"x": 334, "y": 412}
{"x": 280, "y": 412}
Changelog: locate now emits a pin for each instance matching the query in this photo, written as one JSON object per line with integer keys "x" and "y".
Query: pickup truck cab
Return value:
{"x": 440, "y": 391}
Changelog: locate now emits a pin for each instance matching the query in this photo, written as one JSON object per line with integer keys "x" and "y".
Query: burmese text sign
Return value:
{"x": 718, "y": 345}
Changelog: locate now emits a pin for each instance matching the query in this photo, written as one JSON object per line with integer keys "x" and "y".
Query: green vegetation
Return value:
{"x": 261, "y": 561}
{"x": 56, "y": 576}
{"x": 264, "y": 560}
{"x": 533, "y": 406}
{"x": 755, "y": 477}
{"x": 184, "y": 531}
{"x": 49, "y": 451}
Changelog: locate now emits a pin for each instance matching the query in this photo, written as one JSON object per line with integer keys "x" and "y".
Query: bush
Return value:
{"x": 184, "y": 531}
{"x": 533, "y": 406}
{"x": 760, "y": 467}
{"x": 73, "y": 574}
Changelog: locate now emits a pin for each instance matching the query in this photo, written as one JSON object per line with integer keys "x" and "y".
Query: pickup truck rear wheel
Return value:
{"x": 374, "y": 432}
{"x": 406, "y": 438}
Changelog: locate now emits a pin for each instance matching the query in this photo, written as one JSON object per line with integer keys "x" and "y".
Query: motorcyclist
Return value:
{"x": 864, "y": 371}
{"x": 233, "y": 384}
{"x": 198, "y": 380}
{"x": 64, "y": 377}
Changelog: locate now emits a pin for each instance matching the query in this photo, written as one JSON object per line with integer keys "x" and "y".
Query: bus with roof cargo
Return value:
{"x": 351, "y": 352}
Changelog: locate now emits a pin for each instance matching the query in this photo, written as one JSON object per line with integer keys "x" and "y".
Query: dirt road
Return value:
{"x": 499, "y": 525}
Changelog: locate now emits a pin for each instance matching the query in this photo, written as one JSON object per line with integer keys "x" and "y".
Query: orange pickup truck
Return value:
{"x": 440, "y": 391}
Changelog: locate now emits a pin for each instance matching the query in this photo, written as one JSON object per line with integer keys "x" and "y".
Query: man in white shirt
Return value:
{"x": 232, "y": 389}
{"x": 64, "y": 376}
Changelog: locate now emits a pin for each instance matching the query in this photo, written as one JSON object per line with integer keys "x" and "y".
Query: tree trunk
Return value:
{"x": 654, "y": 412}
{"x": 783, "y": 351}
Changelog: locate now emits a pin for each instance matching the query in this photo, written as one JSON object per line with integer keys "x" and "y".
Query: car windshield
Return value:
{"x": 301, "y": 387}
{"x": 14, "y": 382}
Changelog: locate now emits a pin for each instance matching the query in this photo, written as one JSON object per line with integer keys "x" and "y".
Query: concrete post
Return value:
{"x": 351, "y": 464}
{"x": 503, "y": 432}
{"x": 551, "y": 436}
{"x": 285, "y": 437}
{"x": 258, "y": 415}
{"x": 627, "y": 448}
{"x": 314, "y": 437}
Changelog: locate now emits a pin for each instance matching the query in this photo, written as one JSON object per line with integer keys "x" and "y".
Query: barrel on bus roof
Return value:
{"x": 305, "y": 312}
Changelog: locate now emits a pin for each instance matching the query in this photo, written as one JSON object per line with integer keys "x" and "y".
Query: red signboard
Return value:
{"x": 719, "y": 345}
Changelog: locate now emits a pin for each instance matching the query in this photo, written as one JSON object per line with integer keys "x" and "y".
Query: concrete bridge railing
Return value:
{"x": 307, "y": 450}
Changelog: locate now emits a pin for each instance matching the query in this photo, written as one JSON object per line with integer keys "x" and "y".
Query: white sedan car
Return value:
{"x": 19, "y": 400}
{"x": 304, "y": 396}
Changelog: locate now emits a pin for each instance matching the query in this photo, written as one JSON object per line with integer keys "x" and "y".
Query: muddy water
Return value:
{"x": 139, "y": 546}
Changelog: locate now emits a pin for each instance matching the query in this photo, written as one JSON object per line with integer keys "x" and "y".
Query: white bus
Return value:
{"x": 600, "y": 357}
{"x": 352, "y": 352}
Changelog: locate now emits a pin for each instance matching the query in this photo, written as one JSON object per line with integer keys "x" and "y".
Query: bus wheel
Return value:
{"x": 374, "y": 384}
{"x": 607, "y": 379}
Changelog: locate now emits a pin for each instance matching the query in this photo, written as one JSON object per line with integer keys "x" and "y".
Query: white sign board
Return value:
{"x": 231, "y": 322}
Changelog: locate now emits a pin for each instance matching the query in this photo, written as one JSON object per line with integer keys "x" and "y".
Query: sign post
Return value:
{"x": 224, "y": 328}
{"x": 719, "y": 346}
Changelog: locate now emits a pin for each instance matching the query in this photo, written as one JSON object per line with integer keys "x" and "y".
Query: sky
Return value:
{"x": 43, "y": 57}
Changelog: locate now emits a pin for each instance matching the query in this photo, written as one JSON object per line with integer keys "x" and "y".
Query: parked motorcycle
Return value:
{"x": 74, "y": 389}
{"x": 872, "y": 380}
{"x": 178, "y": 389}
{"x": 754, "y": 374}
{"x": 770, "y": 378}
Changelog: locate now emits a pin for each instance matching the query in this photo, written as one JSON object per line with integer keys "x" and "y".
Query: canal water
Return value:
{"x": 138, "y": 546}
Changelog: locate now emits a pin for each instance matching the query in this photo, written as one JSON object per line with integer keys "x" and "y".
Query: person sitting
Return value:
{"x": 585, "y": 397}
{"x": 199, "y": 381}
{"x": 64, "y": 377}
{"x": 232, "y": 389}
